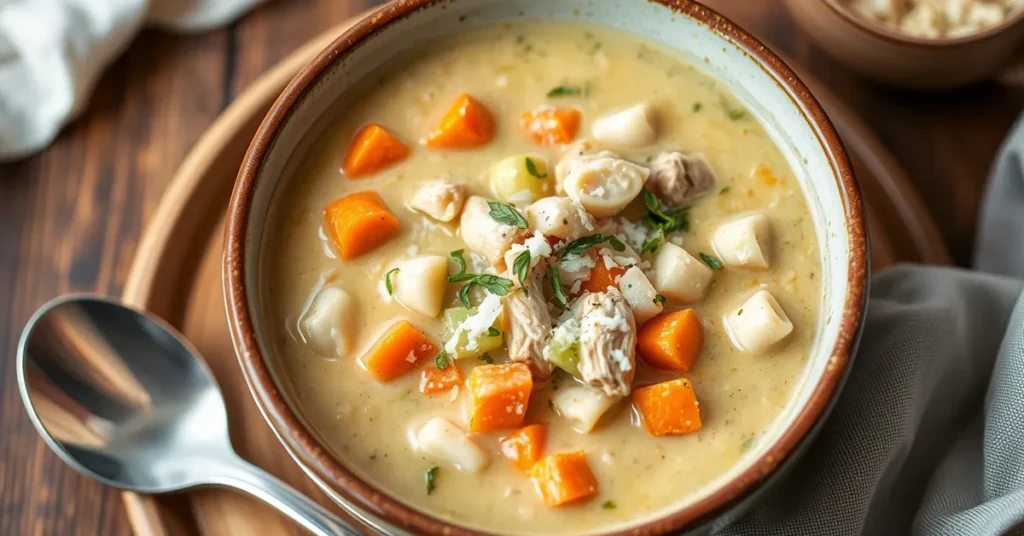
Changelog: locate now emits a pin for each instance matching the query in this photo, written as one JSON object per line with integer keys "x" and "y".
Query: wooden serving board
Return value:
{"x": 176, "y": 274}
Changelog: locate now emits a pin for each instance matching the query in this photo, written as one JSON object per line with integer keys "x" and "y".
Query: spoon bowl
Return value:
{"x": 124, "y": 399}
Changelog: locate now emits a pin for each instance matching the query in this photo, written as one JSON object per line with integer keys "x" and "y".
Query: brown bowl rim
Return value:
{"x": 884, "y": 32}
{"x": 302, "y": 442}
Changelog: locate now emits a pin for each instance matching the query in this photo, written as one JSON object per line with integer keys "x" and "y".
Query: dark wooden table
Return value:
{"x": 71, "y": 217}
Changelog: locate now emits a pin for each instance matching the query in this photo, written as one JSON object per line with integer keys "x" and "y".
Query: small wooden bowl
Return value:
{"x": 888, "y": 56}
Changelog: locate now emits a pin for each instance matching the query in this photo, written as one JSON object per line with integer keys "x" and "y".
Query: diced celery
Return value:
{"x": 562, "y": 355}
{"x": 486, "y": 342}
{"x": 522, "y": 179}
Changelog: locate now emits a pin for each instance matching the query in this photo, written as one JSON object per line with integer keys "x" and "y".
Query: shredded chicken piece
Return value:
{"x": 529, "y": 322}
{"x": 607, "y": 340}
{"x": 440, "y": 199}
{"x": 680, "y": 179}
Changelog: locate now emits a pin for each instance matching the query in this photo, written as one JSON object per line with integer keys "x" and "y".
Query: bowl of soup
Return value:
{"x": 545, "y": 267}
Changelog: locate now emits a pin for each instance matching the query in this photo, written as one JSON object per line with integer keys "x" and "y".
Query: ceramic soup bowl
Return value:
{"x": 756, "y": 76}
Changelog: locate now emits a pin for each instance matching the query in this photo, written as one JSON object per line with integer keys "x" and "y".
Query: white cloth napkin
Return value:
{"x": 52, "y": 52}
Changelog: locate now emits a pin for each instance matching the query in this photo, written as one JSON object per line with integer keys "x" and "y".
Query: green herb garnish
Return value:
{"x": 556, "y": 287}
{"x": 459, "y": 259}
{"x": 663, "y": 220}
{"x": 442, "y": 359}
{"x": 491, "y": 283}
{"x": 608, "y": 505}
{"x": 711, "y": 261}
{"x": 430, "y": 476}
{"x": 493, "y": 331}
{"x": 581, "y": 245}
{"x": 723, "y": 191}
{"x": 659, "y": 299}
{"x": 696, "y": 107}
{"x": 739, "y": 313}
{"x": 531, "y": 168}
{"x": 486, "y": 358}
{"x": 565, "y": 91}
{"x": 551, "y": 405}
{"x": 521, "y": 267}
{"x": 387, "y": 280}
{"x": 506, "y": 214}
{"x": 735, "y": 114}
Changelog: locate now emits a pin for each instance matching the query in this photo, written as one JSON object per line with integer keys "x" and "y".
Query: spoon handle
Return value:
{"x": 262, "y": 485}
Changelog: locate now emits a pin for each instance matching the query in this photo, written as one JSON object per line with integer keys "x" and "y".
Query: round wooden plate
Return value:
{"x": 176, "y": 274}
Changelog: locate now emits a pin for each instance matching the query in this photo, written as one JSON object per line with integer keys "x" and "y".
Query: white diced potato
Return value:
{"x": 441, "y": 199}
{"x": 604, "y": 186}
{"x": 555, "y": 216}
{"x": 923, "y": 21}
{"x": 328, "y": 323}
{"x": 982, "y": 15}
{"x": 485, "y": 235}
{"x": 744, "y": 242}
{"x": 420, "y": 282}
{"x": 632, "y": 127}
{"x": 445, "y": 442}
{"x": 521, "y": 179}
{"x": 679, "y": 276}
{"x": 757, "y": 324}
{"x": 639, "y": 294}
{"x": 582, "y": 405}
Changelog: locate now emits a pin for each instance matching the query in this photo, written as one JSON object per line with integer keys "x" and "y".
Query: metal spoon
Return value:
{"x": 124, "y": 399}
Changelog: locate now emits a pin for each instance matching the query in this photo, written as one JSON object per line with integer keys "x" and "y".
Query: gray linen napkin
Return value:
{"x": 928, "y": 435}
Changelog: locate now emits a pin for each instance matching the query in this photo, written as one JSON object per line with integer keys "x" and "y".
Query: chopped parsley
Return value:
{"x": 608, "y": 505}
{"x": 442, "y": 359}
{"x": 521, "y": 267}
{"x": 507, "y": 214}
{"x": 493, "y": 331}
{"x": 723, "y": 191}
{"x": 565, "y": 91}
{"x": 747, "y": 442}
{"x": 711, "y": 261}
{"x": 431, "y": 476}
{"x": 736, "y": 114}
{"x": 496, "y": 285}
{"x": 581, "y": 245}
{"x": 663, "y": 220}
{"x": 486, "y": 358}
{"x": 387, "y": 280}
{"x": 739, "y": 313}
{"x": 659, "y": 299}
{"x": 459, "y": 259}
{"x": 556, "y": 287}
{"x": 531, "y": 168}
{"x": 696, "y": 107}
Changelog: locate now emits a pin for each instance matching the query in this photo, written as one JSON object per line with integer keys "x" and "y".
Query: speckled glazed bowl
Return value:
{"x": 770, "y": 91}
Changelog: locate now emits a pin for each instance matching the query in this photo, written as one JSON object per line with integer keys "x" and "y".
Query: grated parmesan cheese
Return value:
{"x": 621, "y": 359}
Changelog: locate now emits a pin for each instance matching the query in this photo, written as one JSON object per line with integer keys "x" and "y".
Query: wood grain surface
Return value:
{"x": 71, "y": 217}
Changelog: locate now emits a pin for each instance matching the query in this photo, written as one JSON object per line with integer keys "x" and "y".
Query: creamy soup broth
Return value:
{"x": 370, "y": 426}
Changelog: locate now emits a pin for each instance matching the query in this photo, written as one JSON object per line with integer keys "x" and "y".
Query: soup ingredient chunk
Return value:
{"x": 576, "y": 155}
{"x": 668, "y": 408}
{"x": 743, "y": 242}
{"x": 441, "y": 199}
{"x": 604, "y": 186}
{"x": 436, "y": 381}
{"x": 564, "y": 478}
{"x": 398, "y": 350}
{"x": 468, "y": 123}
{"x": 359, "y": 222}
{"x": 679, "y": 179}
{"x": 759, "y": 323}
{"x": 445, "y": 442}
{"x": 632, "y": 127}
{"x": 419, "y": 283}
{"x": 328, "y": 323}
{"x": 680, "y": 276}
{"x": 524, "y": 447}
{"x": 607, "y": 340}
{"x": 471, "y": 332}
{"x": 521, "y": 179}
{"x": 671, "y": 341}
{"x": 499, "y": 395}
{"x": 551, "y": 126}
{"x": 639, "y": 293}
{"x": 485, "y": 235}
{"x": 557, "y": 217}
{"x": 529, "y": 322}
{"x": 372, "y": 150}
{"x": 562, "y": 349}
{"x": 583, "y": 406}
{"x": 602, "y": 277}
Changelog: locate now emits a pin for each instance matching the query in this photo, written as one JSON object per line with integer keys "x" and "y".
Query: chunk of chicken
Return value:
{"x": 485, "y": 235}
{"x": 679, "y": 179}
{"x": 529, "y": 321}
{"x": 440, "y": 199}
{"x": 607, "y": 339}
{"x": 604, "y": 186}
{"x": 631, "y": 127}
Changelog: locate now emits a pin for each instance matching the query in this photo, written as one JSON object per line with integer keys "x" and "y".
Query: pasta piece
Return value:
{"x": 678, "y": 275}
{"x": 440, "y": 199}
{"x": 632, "y": 127}
{"x": 583, "y": 406}
{"x": 557, "y": 217}
{"x": 445, "y": 442}
{"x": 758, "y": 324}
{"x": 744, "y": 242}
{"x": 604, "y": 186}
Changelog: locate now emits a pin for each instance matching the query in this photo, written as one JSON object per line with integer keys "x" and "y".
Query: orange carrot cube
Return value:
{"x": 372, "y": 150}
{"x": 551, "y": 126}
{"x": 671, "y": 341}
{"x": 564, "y": 478}
{"x": 468, "y": 123}
{"x": 668, "y": 408}
{"x": 359, "y": 222}
{"x": 525, "y": 446}
{"x": 398, "y": 350}
{"x": 499, "y": 395}
{"x": 435, "y": 381}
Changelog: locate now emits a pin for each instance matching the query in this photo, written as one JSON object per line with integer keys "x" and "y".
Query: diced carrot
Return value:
{"x": 671, "y": 341}
{"x": 435, "y": 381}
{"x": 602, "y": 277}
{"x": 499, "y": 395}
{"x": 372, "y": 150}
{"x": 764, "y": 175}
{"x": 564, "y": 478}
{"x": 524, "y": 447}
{"x": 468, "y": 123}
{"x": 398, "y": 351}
{"x": 668, "y": 408}
{"x": 359, "y": 222}
{"x": 551, "y": 126}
